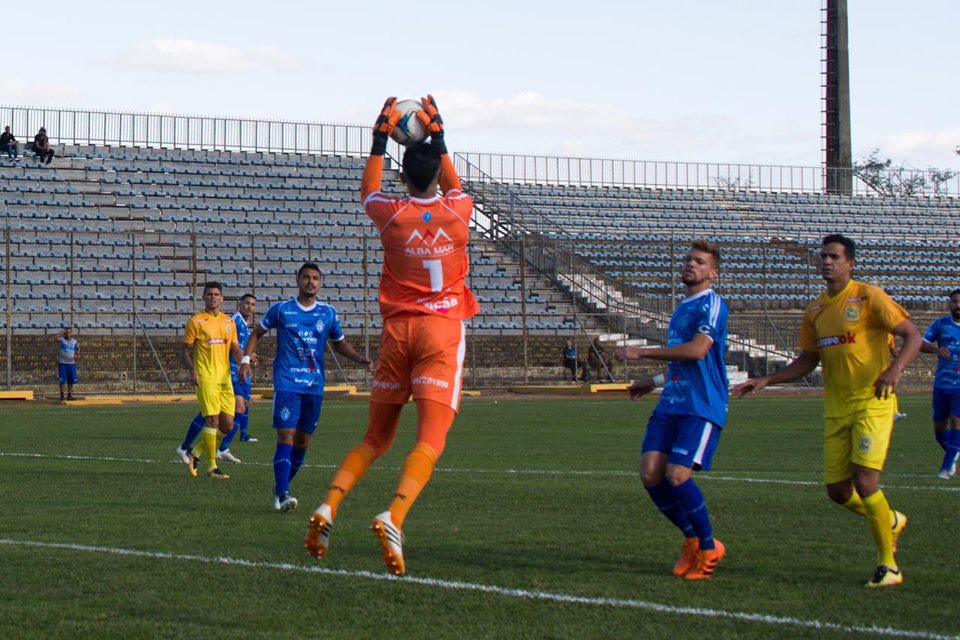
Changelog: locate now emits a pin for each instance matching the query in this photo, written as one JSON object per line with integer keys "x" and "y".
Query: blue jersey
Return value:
{"x": 944, "y": 332}
{"x": 68, "y": 350}
{"x": 302, "y": 334}
{"x": 243, "y": 334}
{"x": 699, "y": 387}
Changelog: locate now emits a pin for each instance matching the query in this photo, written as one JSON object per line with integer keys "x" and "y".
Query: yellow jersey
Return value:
{"x": 851, "y": 331}
{"x": 211, "y": 335}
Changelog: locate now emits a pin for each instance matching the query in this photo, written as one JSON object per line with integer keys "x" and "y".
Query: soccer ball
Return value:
{"x": 409, "y": 130}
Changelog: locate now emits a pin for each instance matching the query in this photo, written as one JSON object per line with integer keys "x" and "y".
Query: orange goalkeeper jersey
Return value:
{"x": 425, "y": 262}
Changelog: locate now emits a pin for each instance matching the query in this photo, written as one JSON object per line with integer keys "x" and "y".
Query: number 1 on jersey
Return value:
{"x": 435, "y": 268}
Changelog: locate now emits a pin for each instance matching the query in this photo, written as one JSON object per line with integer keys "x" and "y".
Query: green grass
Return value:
{"x": 535, "y": 495}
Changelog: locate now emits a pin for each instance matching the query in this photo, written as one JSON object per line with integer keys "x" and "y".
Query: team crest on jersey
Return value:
{"x": 865, "y": 444}
{"x": 427, "y": 216}
{"x": 320, "y": 326}
{"x": 852, "y": 314}
{"x": 285, "y": 413}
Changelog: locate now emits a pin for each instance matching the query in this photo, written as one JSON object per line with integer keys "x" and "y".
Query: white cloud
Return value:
{"x": 922, "y": 148}
{"x": 30, "y": 93}
{"x": 193, "y": 56}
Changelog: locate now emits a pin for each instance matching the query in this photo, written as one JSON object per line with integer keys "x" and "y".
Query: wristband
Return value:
{"x": 246, "y": 360}
{"x": 437, "y": 141}
{"x": 379, "y": 146}
{"x": 658, "y": 380}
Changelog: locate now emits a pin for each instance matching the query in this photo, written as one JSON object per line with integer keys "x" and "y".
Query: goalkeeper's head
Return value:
{"x": 421, "y": 169}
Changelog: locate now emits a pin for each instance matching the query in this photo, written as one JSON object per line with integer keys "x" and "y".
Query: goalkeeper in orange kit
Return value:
{"x": 424, "y": 301}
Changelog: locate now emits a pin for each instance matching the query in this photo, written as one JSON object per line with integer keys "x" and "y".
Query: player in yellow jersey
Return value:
{"x": 210, "y": 338}
{"x": 846, "y": 330}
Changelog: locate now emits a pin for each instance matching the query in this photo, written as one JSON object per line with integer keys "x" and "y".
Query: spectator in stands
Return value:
{"x": 67, "y": 361}
{"x": 9, "y": 144}
{"x": 598, "y": 363}
{"x": 570, "y": 362}
{"x": 41, "y": 146}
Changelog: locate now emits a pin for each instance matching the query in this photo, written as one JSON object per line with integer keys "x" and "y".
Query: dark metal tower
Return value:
{"x": 837, "y": 162}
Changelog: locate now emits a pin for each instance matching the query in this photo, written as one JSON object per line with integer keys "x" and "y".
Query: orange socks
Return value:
{"x": 414, "y": 476}
{"x": 434, "y": 420}
{"x": 353, "y": 467}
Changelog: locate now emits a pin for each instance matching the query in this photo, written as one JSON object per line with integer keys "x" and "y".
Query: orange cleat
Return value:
{"x": 688, "y": 557}
{"x": 707, "y": 560}
{"x": 318, "y": 537}
{"x": 391, "y": 539}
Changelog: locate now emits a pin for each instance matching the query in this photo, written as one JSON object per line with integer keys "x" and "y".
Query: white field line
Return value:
{"x": 525, "y": 594}
{"x": 528, "y": 472}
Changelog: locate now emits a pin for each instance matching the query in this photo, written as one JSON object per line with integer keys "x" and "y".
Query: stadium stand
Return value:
{"x": 115, "y": 241}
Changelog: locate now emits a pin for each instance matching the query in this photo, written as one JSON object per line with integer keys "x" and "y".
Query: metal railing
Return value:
{"x": 607, "y": 172}
{"x": 220, "y": 133}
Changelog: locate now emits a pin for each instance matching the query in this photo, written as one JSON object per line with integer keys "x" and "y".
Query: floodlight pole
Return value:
{"x": 838, "y": 161}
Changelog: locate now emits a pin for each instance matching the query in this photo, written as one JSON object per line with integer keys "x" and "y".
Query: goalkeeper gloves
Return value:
{"x": 429, "y": 116}
{"x": 386, "y": 121}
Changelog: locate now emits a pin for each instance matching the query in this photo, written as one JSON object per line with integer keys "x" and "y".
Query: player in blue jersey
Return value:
{"x": 943, "y": 339}
{"x": 684, "y": 430}
{"x": 66, "y": 361}
{"x": 243, "y": 320}
{"x": 303, "y": 328}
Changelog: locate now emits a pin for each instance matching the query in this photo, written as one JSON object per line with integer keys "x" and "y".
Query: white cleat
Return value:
{"x": 318, "y": 536}
{"x": 391, "y": 540}
{"x": 185, "y": 456}
{"x": 897, "y": 417}
{"x": 284, "y": 503}
{"x": 229, "y": 457}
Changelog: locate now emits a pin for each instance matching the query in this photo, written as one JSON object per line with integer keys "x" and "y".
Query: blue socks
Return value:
{"x": 296, "y": 461}
{"x": 942, "y": 437}
{"x": 952, "y": 450}
{"x": 281, "y": 468}
{"x": 193, "y": 431}
{"x": 241, "y": 421}
{"x": 227, "y": 439}
{"x": 691, "y": 500}
{"x": 669, "y": 505}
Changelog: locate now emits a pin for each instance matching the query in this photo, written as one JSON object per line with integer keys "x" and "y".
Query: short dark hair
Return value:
{"x": 708, "y": 247}
{"x": 308, "y": 265}
{"x": 213, "y": 285}
{"x": 248, "y": 295}
{"x": 420, "y": 164}
{"x": 849, "y": 246}
{"x": 954, "y": 292}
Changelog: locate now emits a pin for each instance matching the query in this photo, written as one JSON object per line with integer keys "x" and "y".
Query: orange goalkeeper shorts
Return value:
{"x": 420, "y": 355}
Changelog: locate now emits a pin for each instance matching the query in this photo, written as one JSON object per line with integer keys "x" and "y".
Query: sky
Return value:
{"x": 696, "y": 81}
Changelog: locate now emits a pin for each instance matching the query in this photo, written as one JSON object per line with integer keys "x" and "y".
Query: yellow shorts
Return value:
{"x": 861, "y": 438}
{"x": 215, "y": 398}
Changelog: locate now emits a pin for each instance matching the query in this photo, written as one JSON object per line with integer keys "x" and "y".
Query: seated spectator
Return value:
{"x": 597, "y": 361}
{"x": 9, "y": 144}
{"x": 41, "y": 146}
{"x": 570, "y": 361}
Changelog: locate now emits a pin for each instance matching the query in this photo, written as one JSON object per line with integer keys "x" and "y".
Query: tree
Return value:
{"x": 886, "y": 179}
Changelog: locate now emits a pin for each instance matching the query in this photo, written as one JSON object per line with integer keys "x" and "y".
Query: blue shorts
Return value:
{"x": 946, "y": 403}
{"x": 67, "y": 373}
{"x": 300, "y": 411}
{"x": 242, "y": 389}
{"x": 689, "y": 441}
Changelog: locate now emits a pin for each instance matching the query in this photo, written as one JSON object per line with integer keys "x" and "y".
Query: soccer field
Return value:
{"x": 535, "y": 525}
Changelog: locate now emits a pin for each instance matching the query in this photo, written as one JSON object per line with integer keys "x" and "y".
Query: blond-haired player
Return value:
{"x": 846, "y": 330}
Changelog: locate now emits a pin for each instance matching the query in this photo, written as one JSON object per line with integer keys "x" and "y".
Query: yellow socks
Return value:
{"x": 414, "y": 476}
{"x": 855, "y": 504}
{"x": 879, "y": 518}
